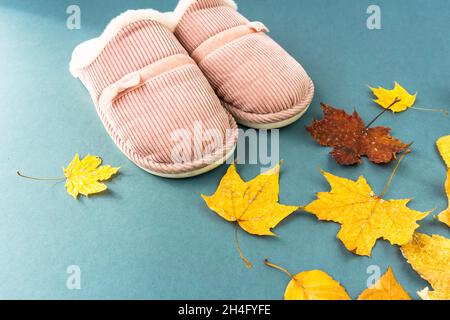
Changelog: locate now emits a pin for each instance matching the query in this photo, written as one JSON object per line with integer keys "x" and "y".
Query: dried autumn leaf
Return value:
{"x": 386, "y": 288}
{"x": 364, "y": 216}
{"x": 444, "y": 216}
{"x": 84, "y": 176}
{"x": 443, "y": 145}
{"x": 252, "y": 205}
{"x": 312, "y": 285}
{"x": 430, "y": 257}
{"x": 351, "y": 139}
{"x": 385, "y": 98}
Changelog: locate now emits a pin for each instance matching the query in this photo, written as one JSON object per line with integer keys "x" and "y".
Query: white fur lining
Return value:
{"x": 86, "y": 52}
{"x": 184, "y": 5}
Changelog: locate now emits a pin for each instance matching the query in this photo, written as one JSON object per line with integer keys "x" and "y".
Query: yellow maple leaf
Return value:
{"x": 312, "y": 285}
{"x": 444, "y": 216}
{"x": 364, "y": 216}
{"x": 386, "y": 288}
{"x": 85, "y": 176}
{"x": 443, "y": 145}
{"x": 252, "y": 205}
{"x": 430, "y": 257}
{"x": 386, "y": 98}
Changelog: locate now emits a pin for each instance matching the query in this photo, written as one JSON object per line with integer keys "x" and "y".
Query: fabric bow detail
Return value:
{"x": 129, "y": 81}
{"x": 258, "y": 26}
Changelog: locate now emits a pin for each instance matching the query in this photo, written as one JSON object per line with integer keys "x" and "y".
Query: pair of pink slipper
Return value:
{"x": 169, "y": 87}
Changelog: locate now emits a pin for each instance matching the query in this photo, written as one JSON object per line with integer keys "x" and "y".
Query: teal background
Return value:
{"x": 151, "y": 238}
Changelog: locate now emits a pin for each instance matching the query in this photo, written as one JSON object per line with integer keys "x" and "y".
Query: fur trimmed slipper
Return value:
{"x": 152, "y": 98}
{"x": 257, "y": 80}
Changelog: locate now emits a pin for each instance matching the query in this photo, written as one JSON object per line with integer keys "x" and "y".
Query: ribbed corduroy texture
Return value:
{"x": 204, "y": 19}
{"x": 134, "y": 47}
{"x": 142, "y": 121}
{"x": 257, "y": 80}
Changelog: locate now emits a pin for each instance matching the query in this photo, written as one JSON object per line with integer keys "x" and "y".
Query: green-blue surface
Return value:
{"x": 150, "y": 238}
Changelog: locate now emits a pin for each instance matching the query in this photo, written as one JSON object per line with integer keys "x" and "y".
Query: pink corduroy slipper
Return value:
{"x": 257, "y": 80}
{"x": 152, "y": 98}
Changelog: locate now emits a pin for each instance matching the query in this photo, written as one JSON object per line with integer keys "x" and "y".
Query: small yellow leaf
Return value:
{"x": 364, "y": 216}
{"x": 253, "y": 205}
{"x": 85, "y": 176}
{"x": 443, "y": 145}
{"x": 315, "y": 285}
{"x": 386, "y": 288}
{"x": 444, "y": 216}
{"x": 385, "y": 98}
{"x": 311, "y": 285}
{"x": 430, "y": 257}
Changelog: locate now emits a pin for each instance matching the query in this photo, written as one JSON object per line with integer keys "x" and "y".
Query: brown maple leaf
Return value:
{"x": 351, "y": 139}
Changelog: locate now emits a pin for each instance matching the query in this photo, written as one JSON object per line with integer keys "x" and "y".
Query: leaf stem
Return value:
{"x": 241, "y": 254}
{"x": 269, "y": 264}
{"x": 445, "y": 112}
{"x": 39, "y": 179}
{"x": 397, "y": 100}
{"x": 393, "y": 172}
